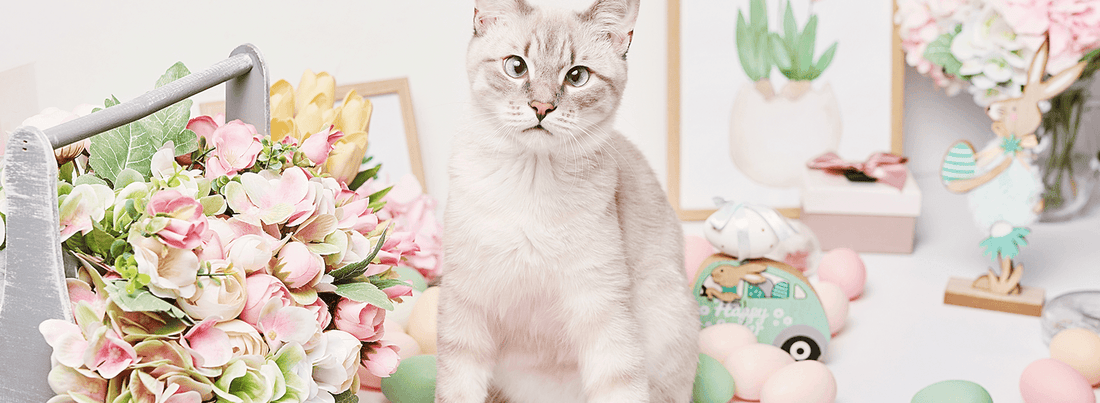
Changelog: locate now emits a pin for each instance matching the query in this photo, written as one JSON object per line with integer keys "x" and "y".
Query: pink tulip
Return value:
{"x": 317, "y": 146}
{"x": 360, "y": 319}
{"x": 382, "y": 362}
{"x": 108, "y": 354}
{"x": 297, "y": 266}
{"x": 236, "y": 145}
{"x": 208, "y": 345}
{"x": 186, "y": 222}
{"x": 262, "y": 288}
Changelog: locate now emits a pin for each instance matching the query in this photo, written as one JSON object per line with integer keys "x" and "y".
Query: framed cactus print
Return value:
{"x": 759, "y": 87}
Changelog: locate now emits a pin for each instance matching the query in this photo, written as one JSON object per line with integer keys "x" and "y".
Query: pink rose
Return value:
{"x": 319, "y": 308}
{"x": 317, "y": 146}
{"x": 362, "y": 320}
{"x": 260, "y": 289}
{"x": 236, "y": 145}
{"x": 382, "y": 362}
{"x": 186, "y": 223}
{"x": 297, "y": 266}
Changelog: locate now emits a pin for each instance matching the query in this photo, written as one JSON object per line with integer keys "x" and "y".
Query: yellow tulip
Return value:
{"x": 282, "y": 100}
{"x": 313, "y": 85}
{"x": 346, "y": 157}
{"x": 354, "y": 114}
{"x": 311, "y": 118}
{"x": 280, "y": 128}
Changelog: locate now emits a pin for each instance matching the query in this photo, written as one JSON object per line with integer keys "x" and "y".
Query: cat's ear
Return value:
{"x": 488, "y": 13}
{"x": 617, "y": 18}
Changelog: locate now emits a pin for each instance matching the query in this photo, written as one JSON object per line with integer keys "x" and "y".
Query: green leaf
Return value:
{"x": 939, "y": 53}
{"x": 790, "y": 27}
{"x": 759, "y": 15}
{"x": 804, "y": 55}
{"x": 376, "y": 196}
{"x": 99, "y": 241}
{"x": 65, "y": 172}
{"x": 348, "y": 396}
{"x": 824, "y": 61}
{"x": 744, "y": 46}
{"x": 142, "y": 301}
{"x": 362, "y": 177}
{"x": 365, "y": 292}
{"x": 353, "y": 270}
{"x": 89, "y": 179}
{"x": 126, "y": 177}
{"x": 384, "y": 283}
{"x": 176, "y": 72}
{"x": 118, "y": 247}
{"x": 780, "y": 54}
{"x": 212, "y": 205}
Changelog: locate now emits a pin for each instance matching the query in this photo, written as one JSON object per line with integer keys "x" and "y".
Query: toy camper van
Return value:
{"x": 771, "y": 298}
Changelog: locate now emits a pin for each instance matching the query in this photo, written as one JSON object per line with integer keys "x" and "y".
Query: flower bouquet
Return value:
{"x": 985, "y": 46}
{"x": 223, "y": 264}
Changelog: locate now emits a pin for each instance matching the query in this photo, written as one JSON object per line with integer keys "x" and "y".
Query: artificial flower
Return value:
{"x": 258, "y": 200}
{"x": 236, "y": 146}
{"x": 252, "y": 252}
{"x": 346, "y": 158}
{"x": 107, "y": 353}
{"x": 172, "y": 272}
{"x": 77, "y": 385}
{"x": 335, "y": 358}
{"x": 181, "y": 221}
{"x": 297, "y": 266}
{"x": 280, "y": 324}
{"x": 208, "y": 344}
{"x": 243, "y": 338}
{"x": 262, "y": 288}
{"x": 85, "y": 204}
{"x": 382, "y": 360}
{"x": 360, "y": 319}
{"x": 318, "y": 145}
{"x": 221, "y": 292}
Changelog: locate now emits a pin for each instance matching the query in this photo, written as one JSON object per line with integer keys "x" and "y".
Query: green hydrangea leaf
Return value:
{"x": 939, "y": 53}
{"x": 365, "y": 292}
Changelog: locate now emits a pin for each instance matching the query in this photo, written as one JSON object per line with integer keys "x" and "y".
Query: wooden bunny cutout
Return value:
{"x": 1001, "y": 182}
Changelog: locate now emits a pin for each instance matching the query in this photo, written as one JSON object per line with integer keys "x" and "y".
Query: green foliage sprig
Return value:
{"x": 791, "y": 50}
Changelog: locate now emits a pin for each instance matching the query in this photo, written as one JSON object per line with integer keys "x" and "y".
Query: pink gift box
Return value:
{"x": 864, "y": 216}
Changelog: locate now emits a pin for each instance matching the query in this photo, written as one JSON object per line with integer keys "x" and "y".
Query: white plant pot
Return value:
{"x": 772, "y": 139}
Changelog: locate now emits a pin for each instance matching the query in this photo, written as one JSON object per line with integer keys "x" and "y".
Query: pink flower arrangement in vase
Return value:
{"x": 218, "y": 263}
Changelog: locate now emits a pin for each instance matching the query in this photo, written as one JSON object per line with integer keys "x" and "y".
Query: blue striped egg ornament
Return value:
{"x": 959, "y": 163}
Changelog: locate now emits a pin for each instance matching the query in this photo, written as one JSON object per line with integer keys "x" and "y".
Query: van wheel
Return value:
{"x": 802, "y": 348}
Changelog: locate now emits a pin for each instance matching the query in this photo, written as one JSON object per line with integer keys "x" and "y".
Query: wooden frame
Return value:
{"x": 398, "y": 86}
{"x": 897, "y": 80}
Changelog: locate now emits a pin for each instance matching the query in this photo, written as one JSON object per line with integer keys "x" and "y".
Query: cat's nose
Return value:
{"x": 541, "y": 109}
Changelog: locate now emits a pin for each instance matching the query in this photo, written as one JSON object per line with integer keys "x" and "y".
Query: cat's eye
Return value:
{"x": 577, "y": 76}
{"x": 515, "y": 67}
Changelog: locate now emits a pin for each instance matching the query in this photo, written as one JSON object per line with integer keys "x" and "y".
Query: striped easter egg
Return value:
{"x": 959, "y": 163}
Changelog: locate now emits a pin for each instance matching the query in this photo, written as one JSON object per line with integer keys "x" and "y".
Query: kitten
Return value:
{"x": 563, "y": 274}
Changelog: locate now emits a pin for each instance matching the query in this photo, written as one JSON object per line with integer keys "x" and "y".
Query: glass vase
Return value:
{"x": 1067, "y": 156}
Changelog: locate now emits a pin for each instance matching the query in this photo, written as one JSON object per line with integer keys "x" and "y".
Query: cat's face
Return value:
{"x": 549, "y": 78}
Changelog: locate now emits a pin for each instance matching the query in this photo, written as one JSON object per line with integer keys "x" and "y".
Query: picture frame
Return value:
{"x": 393, "y": 139}
{"x": 704, "y": 34}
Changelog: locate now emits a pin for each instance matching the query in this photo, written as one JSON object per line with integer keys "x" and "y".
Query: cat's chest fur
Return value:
{"x": 530, "y": 225}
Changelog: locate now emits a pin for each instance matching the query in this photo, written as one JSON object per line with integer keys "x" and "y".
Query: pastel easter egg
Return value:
{"x": 390, "y": 325}
{"x": 718, "y": 341}
{"x": 696, "y": 250}
{"x": 1080, "y": 349}
{"x": 422, "y": 324}
{"x": 958, "y": 391}
{"x": 959, "y": 163}
{"x": 367, "y": 380}
{"x": 752, "y": 364}
{"x": 843, "y": 267}
{"x": 402, "y": 310}
{"x": 407, "y": 346}
{"x": 713, "y": 383}
{"x": 835, "y": 304}
{"x": 414, "y": 381}
{"x": 1051, "y": 381}
{"x": 807, "y": 381}
{"x": 371, "y": 396}
{"x": 411, "y": 275}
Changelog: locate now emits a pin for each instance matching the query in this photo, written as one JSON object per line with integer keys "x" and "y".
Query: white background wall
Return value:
{"x": 90, "y": 50}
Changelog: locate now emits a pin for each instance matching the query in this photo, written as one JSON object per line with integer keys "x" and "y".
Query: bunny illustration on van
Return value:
{"x": 1002, "y": 184}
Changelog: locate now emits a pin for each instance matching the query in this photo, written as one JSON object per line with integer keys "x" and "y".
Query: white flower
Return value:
{"x": 172, "y": 272}
{"x": 243, "y": 338}
{"x": 85, "y": 204}
{"x": 222, "y": 295}
{"x": 164, "y": 167}
{"x": 335, "y": 358}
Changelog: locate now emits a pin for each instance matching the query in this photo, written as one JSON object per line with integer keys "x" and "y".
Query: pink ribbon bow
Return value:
{"x": 884, "y": 167}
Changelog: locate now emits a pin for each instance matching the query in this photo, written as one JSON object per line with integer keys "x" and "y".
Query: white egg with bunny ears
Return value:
{"x": 746, "y": 231}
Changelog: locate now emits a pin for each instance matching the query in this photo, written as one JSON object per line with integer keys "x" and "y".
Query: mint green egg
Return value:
{"x": 713, "y": 383}
{"x": 414, "y": 381}
{"x": 412, "y": 276}
{"x": 956, "y": 391}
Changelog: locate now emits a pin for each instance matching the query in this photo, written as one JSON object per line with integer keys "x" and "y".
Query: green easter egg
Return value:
{"x": 960, "y": 163}
{"x": 953, "y": 391}
{"x": 414, "y": 381}
{"x": 412, "y": 276}
{"x": 713, "y": 383}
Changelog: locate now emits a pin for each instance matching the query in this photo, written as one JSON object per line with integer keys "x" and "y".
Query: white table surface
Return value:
{"x": 901, "y": 337}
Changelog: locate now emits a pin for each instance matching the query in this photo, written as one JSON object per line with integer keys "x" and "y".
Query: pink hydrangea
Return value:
{"x": 236, "y": 145}
{"x": 186, "y": 222}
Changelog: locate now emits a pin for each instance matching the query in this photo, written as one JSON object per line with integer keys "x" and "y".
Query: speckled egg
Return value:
{"x": 802, "y": 382}
{"x": 1080, "y": 349}
{"x": 411, "y": 275}
{"x": 843, "y": 267}
{"x": 956, "y": 391}
{"x": 720, "y": 340}
{"x": 1051, "y": 381}
{"x": 422, "y": 320}
{"x": 414, "y": 381}
{"x": 752, "y": 364}
{"x": 835, "y": 304}
{"x": 713, "y": 383}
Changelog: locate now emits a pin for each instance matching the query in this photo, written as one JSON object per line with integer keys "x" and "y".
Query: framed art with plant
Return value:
{"x": 759, "y": 87}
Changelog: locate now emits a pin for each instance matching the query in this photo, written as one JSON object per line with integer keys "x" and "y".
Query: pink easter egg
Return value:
{"x": 407, "y": 346}
{"x": 843, "y": 267}
{"x": 835, "y": 304}
{"x": 1051, "y": 381}
{"x": 720, "y": 340}
{"x": 802, "y": 382}
{"x": 696, "y": 250}
{"x": 367, "y": 380}
{"x": 752, "y": 364}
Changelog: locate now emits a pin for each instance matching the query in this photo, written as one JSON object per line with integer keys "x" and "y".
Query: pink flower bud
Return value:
{"x": 362, "y": 320}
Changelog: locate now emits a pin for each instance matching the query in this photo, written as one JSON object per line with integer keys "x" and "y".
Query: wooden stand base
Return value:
{"x": 1028, "y": 302}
